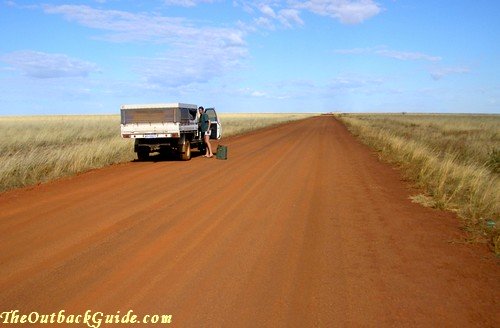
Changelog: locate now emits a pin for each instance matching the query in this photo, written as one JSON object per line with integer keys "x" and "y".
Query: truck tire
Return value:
{"x": 186, "y": 151}
{"x": 142, "y": 154}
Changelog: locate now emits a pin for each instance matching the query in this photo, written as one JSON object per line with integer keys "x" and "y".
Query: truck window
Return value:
{"x": 211, "y": 114}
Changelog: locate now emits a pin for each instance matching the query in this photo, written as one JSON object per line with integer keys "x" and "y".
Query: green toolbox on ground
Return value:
{"x": 221, "y": 152}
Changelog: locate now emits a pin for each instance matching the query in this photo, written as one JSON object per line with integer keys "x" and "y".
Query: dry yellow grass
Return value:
{"x": 39, "y": 149}
{"x": 35, "y": 149}
{"x": 455, "y": 159}
{"x": 233, "y": 124}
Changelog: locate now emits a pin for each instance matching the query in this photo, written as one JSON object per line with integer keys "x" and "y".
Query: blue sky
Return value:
{"x": 79, "y": 57}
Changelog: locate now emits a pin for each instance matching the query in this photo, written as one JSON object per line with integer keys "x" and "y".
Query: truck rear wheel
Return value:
{"x": 143, "y": 154}
{"x": 186, "y": 151}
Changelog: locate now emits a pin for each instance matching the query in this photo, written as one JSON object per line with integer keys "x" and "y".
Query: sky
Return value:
{"x": 90, "y": 57}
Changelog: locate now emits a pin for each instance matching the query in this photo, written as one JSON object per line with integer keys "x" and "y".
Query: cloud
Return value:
{"x": 252, "y": 93}
{"x": 439, "y": 73}
{"x": 186, "y": 3}
{"x": 311, "y": 89}
{"x": 264, "y": 22}
{"x": 196, "y": 53}
{"x": 403, "y": 55}
{"x": 126, "y": 27}
{"x": 14, "y": 4}
{"x": 346, "y": 11}
{"x": 258, "y": 94}
{"x": 288, "y": 17}
{"x": 350, "y": 83}
{"x": 288, "y": 12}
{"x": 42, "y": 65}
{"x": 189, "y": 64}
{"x": 436, "y": 73}
{"x": 384, "y": 52}
{"x": 267, "y": 10}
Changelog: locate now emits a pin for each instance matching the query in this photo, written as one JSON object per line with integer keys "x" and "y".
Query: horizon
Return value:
{"x": 317, "y": 56}
{"x": 268, "y": 113}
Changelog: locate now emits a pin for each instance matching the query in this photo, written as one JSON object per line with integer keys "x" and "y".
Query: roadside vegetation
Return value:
{"x": 37, "y": 149}
{"x": 454, "y": 159}
{"x": 233, "y": 124}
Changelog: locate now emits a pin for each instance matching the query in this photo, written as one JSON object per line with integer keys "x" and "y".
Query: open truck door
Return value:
{"x": 215, "y": 126}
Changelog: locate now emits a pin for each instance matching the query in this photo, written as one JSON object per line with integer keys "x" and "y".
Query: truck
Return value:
{"x": 166, "y": 128}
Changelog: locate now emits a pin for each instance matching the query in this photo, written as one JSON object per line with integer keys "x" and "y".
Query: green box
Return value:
{"x": 221, "y": 152}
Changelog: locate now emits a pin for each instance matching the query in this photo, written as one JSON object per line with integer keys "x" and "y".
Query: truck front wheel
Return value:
{"x": 186, "y": 151}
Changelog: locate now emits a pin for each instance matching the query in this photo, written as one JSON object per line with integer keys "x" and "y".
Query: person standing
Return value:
{"x": 205, "y": 131}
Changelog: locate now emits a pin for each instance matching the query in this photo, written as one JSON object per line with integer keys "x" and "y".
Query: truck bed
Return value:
{"x": 158, "y": 120}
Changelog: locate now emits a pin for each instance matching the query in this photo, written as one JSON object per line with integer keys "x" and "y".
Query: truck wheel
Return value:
{"x": 142, "y": 154}
{"x": 186, "y": 154}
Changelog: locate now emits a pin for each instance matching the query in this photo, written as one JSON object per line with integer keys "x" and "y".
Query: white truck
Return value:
{"x": 166, "y": 128}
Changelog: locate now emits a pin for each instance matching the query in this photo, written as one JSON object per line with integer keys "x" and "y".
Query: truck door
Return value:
{"x": 215, "y": 126}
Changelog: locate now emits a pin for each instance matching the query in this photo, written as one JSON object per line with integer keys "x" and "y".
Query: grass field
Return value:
{"x": 455, "y": 159}
{"x": 35, "y": 149}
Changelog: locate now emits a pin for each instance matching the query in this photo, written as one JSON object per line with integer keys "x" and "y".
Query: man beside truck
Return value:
{"x": 205, "y": 131}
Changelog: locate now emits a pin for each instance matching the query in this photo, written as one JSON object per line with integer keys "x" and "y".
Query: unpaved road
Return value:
{"x": 301, "y": 227}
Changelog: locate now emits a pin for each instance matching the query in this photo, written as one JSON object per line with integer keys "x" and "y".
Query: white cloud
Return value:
{"x": 190, "y": 64}
{"x": 288, "y": 12}
{"x": 439, "y": 73}
{"x": 384, "y": 52}
{"x": 349, "y": 83}
{"x": 289, "y": 16}
{"x": 266, "y": 10}
{"x": 272, "y": 92}
{"x": 346, "y": 11}
{"x": 42, "y": 65}
{"x": 125, "y": 26}
{"x": 245, "y": 5}
{"x": 248, "y": 92}
{"x": 264, "y": 22}
{"x": 286, "y": 17}
{"x": 272, "y": 14}
{"x": 258, "y": 94}
{"x": 197, "y": 53}
{"x": 186, "y": 3}
{"x": 403, "y": 55}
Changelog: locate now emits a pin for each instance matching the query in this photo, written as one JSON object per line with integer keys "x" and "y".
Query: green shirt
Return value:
{"x": 205, "y": 122}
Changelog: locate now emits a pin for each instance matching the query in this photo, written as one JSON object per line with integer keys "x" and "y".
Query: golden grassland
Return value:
{"x": 36, "y": 149}
{"x": 454, "y": 159}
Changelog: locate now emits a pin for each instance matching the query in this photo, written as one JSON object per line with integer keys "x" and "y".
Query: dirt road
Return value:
{"x": 301, "y": 227}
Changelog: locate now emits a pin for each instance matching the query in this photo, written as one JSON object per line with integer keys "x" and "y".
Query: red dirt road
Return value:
{"x": 301, "y": 227}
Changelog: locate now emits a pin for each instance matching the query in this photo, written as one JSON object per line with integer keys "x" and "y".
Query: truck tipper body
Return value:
{"x": 166, "y": 127}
